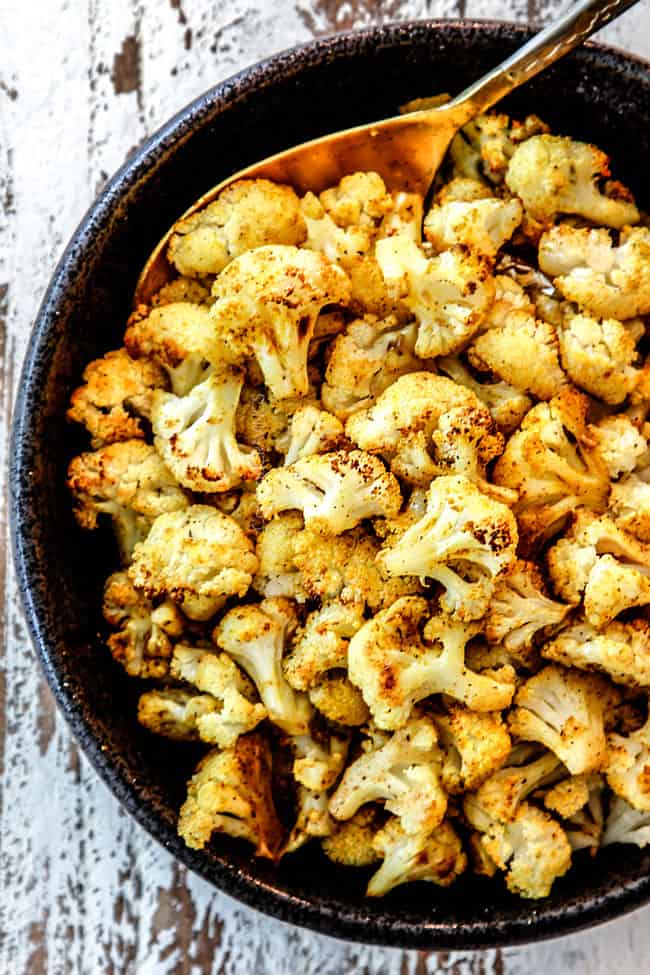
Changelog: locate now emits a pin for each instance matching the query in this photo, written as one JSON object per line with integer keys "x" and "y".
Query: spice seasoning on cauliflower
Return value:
{"x": 381, "y": 491}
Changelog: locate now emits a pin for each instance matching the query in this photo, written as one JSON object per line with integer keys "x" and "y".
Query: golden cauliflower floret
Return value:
{"x": 608, "y": 281}
{"x": 266, "y": 305}
{"x": 277, "y": 572}
{"x": 563, "y": 710}
{"x": 334, "y": 491}
{"x": 249, "y": 213}
{"x": 484, "y": 224}
{"x": 436, "y": 856}
{"x": 475, "y": 745}
{"x": 396, "y": 665}
{"x": 520, "y": 610}
{"x": 344, "y": 567}
{"x": 144, "y": 635}
{"x": 463, "y": 189}
{"x": 568, "y": 796}
{"x": 195, "y": 434}
{"x": 115, "y": 396}
{"x": 499, "y": 797}
{"x": 628, "y": 767}
{"x": 234, "y": 712}
{"x": 336, "y": 697}
{"x": 449, "y": 294}
{"x": 401, "y": 770}
{"x": 553, "y": 463}
{"x": 261, "y": 421}
{"x": 604, "y": 565}
{"x": 351, "y": 842}
{"x": 630, "y": 506}
{"x": 524, "y": 353}
{"x": 230, "y": 792}
{"x": 322, "y": 643}
{"x": 182, "y": 289}
{"x": 554, "y": 174}
{"x": 507, "y": 405}
{"x": 175, "y": 713}
{"x": 365, "y": 360}
{"x": 620, "y": 444}
{"x": 180, "y": 337}
{"x": 598, "y": 356}
{"x": 344, "y": 221}
{"x": 311, "y": 431}
{"x": 620, "y": 650}
{"x": 127, "y": 481}
{"x": 625, "y": 824}
{"x": 256, "y": 638}
{"x": 484, "y": 146}
{"x": 463, "y": 541}
{"x": 197, "y": 557}
{"x": 318, "y": 763}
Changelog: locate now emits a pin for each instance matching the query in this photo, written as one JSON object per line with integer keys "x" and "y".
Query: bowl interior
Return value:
{"x": 596, "y": 95}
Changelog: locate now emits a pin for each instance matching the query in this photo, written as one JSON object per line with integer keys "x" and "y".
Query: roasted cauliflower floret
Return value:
{"x": 266, "y": 305}
{"x": 255, "y": 637}
{"x": 630, "y": 506}
{"x": 607, "y": 281}
{"x": 464, "y": 541}
{"x": 483, "y": 225}
{"x": 520, "y": 610}
{"x": 197, "y": 557}
{"x": 523, "y": 352}
{"x": 620, "y": 444}
{"x": 311, "y": 431}
{"x": 249, "y": 213}
{"x": 598, "y": 356}
{"x": 278, "y": 573}
{"x": 234, "y": 712}
{"x": 351, "y": 842}
{"x": 181, "y": 338}
{"x": 554, "y": 174}
{"x": 115, "y": 396}
{"x": 628, "y": 767}
{"x": 436, "y": 856}
{"x": 145, "y": 635}
{"x": 344, "y": 221}
{"x": 563, "y": 710}
{"x": 313, "y": 820}
{"x": 318, "y": 764}
{"x": 499, "y": 797}
{"x": 449, "y": 294}
{"x": 600, "y": 562}
{"x": 195, "y": 434}
{"x": 365, "y": 360}
{"x": 127, "y": 481}
{"x": 395, "y": 666}
{"x": 403, "y": 771}
{"x": 344, "y": 567}
{"x": 620, "y": 650}
{"x": 568, "y": 796}
{"x": 553, "y": 463}
{"x": 625, "y": 824}
{"x": 484, "y": 147}
{"x": 261, "y": 421}
{"x": 333, "y": 491}
{"x": 507, "y": 405}
{"x": 176, "y": 713}
{"x": 474, "y": 745}
{"x": 230, "y": 792}
{"x": 339, "y": 700}
{"x": 182, "y": 289}
{"x": 322, "y": 644}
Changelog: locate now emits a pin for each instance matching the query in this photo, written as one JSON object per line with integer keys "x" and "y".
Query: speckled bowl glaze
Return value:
{"x": 596, "y": 94}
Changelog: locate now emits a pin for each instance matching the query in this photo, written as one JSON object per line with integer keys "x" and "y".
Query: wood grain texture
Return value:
{"x": 85, "y": 891}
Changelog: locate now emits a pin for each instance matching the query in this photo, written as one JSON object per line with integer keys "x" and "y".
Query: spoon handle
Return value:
{"x": 579, "y": 22}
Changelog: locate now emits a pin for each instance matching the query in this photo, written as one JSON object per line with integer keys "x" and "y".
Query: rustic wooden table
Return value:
{"x": 84, "y": 890}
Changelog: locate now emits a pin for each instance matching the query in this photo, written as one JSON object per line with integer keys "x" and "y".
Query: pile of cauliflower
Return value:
{"x": 380, "y": 483}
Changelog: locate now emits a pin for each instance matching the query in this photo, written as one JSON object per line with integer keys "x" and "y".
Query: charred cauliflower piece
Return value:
{"x": 586, "y": 267}
{"x": 507, "y": 405}
{"x": 598, "y": 356}
{"x": 620, "y": 650}
{"x": 197, "y": 557}
{"x": 520, "y": 610}
{"x": 395, "y": 666}
{"x": 333, "y": 491}
{"x": 266, "y": 305}
{"x": 464, "y": 541}
{"x": 230, "y": 792}
{"x": 255, "y": 637}
{"x": 474, "y": 745}
{"x": 195, "y": 434}
{"x": 145, "y": 635}
{"x": 249, "y": 213}
{"x": 484, "y": 225}
{"x": 127, "y": 481}
{"x": 311, "y": 431}
{"x": 553, "y": 174}
{"x": 403, "y": 771}
{"x": 436, "y": 856}
{"x": 449, "y": 294}
{"x": 563, "y": 710}
{"x": 628, "y": 767}
{"x": 115, "y": 396}
{"x": 553, "y": 463}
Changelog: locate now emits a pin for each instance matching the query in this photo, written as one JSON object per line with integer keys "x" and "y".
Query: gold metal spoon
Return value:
{"x": 408, "y": 149}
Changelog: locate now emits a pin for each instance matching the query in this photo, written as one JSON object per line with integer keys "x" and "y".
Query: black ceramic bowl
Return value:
{"x": 595, "y": 94}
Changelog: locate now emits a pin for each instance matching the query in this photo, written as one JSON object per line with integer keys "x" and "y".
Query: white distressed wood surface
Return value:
{"x": 83, "y": 889}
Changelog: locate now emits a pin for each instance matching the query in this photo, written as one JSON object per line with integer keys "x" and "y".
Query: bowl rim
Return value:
{"x": 536, "y": 923}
